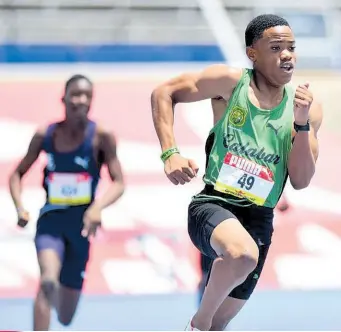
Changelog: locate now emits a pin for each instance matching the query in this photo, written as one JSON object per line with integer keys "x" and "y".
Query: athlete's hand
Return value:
{"x": 91, "y": 220}
{"x": 23, "y": 218}
{"x": 179, "y": 169}
{"x": 302, "y": 103}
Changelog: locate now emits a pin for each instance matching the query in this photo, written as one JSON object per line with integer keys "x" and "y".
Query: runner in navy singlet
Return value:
{"x": 76, "y": 148}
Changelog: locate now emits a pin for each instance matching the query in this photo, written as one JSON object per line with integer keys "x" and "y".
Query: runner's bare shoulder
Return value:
{"x": 106, "y": 135}
{"x": 231, "y": 74}
{"x": 38, "y": 137}
{"x": 227, "y": 78}
{"x": 103, "y": 130}
{"x": 34, "y": 148}
{"x": 211, "y": 82}
{"x": 41, "y": 131}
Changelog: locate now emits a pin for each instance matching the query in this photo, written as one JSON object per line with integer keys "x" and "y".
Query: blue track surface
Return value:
{"x": 265, "y": 311}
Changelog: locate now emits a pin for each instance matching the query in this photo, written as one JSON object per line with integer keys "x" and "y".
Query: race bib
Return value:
{"x": 244, "y": 178}
{"x": 69, "y": 188}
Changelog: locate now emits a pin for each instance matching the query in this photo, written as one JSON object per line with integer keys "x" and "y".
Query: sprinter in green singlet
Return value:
{"x": 205, "y": 261}
{"x": 267, "y": 132}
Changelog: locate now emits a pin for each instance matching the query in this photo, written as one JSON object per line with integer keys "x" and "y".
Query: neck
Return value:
{"x": 265, "y": 87}
{"x": 73, "y": 129}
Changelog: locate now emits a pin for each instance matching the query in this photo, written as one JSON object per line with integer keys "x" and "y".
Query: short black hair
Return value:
{"x": 259, "y": 24}
{"x": 75, "y": 78}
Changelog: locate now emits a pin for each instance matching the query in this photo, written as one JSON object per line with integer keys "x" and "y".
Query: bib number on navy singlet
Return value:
{"x": 69, "y": 188}
{"x": 69, "y": 191}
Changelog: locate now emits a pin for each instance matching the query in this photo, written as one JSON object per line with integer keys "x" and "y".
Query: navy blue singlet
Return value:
{"x": 70, "y": 178}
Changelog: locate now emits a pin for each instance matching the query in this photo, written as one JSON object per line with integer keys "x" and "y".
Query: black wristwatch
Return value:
{"x": 305, "y": 127}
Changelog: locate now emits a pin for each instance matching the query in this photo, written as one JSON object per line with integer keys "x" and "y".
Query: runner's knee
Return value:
{"x": 243, "y": 255}
{"x": 231, "y": 242}
{"x": 49, "y": 287}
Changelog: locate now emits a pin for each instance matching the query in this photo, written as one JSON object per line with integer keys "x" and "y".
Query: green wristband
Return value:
{"x": 169, "y": 152}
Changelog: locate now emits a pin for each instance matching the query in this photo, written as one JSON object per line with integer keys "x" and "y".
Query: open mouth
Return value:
{"x": 287, "y": 67}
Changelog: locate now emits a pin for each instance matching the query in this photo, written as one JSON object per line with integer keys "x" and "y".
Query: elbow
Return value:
{"x": 121, "y": 187}
{"x": 15, "y": 176}
{"x": 300, "y": 177}
{"x": 10, "y": 179}
{"x": 158, "y": 92}
{"x": 162, "y": 93}
{"x": 301, "y": 184}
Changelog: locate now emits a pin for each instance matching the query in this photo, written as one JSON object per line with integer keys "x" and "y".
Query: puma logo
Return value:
{"x": 269, "y": 125}
{"x": 83, "y": 162}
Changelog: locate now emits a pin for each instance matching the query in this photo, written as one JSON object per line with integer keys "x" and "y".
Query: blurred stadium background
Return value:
{"x": 143, "y": 274}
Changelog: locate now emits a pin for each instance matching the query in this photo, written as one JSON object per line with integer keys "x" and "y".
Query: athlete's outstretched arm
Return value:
{"x": 116, "y": 189}
{"x": 305, "y": 151}
{"x": 214, "y": 81}
{"x": 24, "y": 165}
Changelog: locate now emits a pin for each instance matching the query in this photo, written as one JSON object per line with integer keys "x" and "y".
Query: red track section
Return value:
{"x": 124, "y": 256}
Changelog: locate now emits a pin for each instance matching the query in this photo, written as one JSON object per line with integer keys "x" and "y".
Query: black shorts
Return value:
{"x": 204, "y": 216}
{"x": 60, "y": 230}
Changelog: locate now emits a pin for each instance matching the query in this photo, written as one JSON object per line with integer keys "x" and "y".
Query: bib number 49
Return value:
{"x": 246, "y": 181}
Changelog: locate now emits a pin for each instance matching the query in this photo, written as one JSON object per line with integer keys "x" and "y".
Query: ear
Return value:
{"x": 63, "y": 100}
{"x": 251, "y": 53}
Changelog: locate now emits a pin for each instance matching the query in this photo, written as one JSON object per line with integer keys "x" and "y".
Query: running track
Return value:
{"x": 142, "y": 233}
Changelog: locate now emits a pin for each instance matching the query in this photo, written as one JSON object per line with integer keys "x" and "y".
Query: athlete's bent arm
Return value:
{"x": 214, "y": 81}
{"x": 23, "y": 167}
{"x": 305, "y": 150}
{"x": 116, "y": 189}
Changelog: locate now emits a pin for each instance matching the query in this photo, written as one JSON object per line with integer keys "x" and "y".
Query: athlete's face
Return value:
{"x": 77, "y": 100}
{"x": 274, "y": 55}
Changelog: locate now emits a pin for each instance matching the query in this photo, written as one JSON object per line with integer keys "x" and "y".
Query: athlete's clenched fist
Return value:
{"x": 302, "y": 103}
